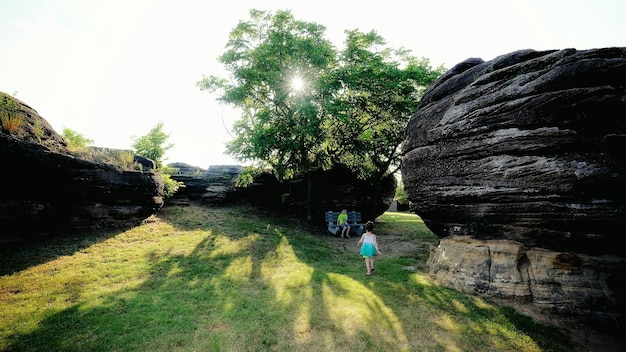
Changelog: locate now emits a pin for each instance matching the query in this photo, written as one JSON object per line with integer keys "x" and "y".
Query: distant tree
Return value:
{"x": 76, "y": 141}
{"x": 153, "y": 145}
{"x": 400, "y": 196}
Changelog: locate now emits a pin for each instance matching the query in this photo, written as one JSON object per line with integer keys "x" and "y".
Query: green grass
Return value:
{"x": 239, "y": 279}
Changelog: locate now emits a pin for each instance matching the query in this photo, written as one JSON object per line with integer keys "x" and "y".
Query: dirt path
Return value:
{"x": 391, "y": 245}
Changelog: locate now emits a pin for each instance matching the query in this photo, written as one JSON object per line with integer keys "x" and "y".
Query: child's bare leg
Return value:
{"x": 367, "y": 265}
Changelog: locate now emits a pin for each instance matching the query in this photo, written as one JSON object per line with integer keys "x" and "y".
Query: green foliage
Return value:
{"x": 280, "y": 125}
{"x": 81, "y": 146}
{"x": 38, "y": 130}
{"x": 376, "y": 90}
{"x": 246, "y": 176}
{"x": 170, "y": 186}
{"x": 352, "y": 109}
{"x": 11, "y": 117}
{"x": 76, "y": 142}
{"x": 123, "y": 160}
{"x": 400, "y": 195}
{"x": 153, "y": 145}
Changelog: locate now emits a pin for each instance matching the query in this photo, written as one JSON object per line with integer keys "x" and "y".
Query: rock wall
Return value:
{"x": 47, "y": 191}
{"x": 332, "y": 190}
{"x": 573, "y": 284}
{"x": 526, "y": 149}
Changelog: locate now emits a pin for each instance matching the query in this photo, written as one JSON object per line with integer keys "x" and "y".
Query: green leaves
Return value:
{"x": 380, "y": 88}
{"x": 153, "y": 145}
{"x": 76, "y": 141}
{"x": 352, "y": 109}
{"x": 279, "y": 125}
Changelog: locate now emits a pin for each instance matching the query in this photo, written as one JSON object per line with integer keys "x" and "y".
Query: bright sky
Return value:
{"x": 113, "y": 69}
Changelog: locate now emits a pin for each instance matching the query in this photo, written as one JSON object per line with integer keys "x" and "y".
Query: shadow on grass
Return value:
{"x": 260, "y": 286}
{"x": 17, "y": 256}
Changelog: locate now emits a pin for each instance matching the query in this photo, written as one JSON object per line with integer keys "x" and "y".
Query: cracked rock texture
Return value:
{"x": 48, "y": 192}
{"x": 517, "y": 164}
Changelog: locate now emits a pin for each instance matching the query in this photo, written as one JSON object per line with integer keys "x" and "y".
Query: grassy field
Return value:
{"x": 238, "y": 279}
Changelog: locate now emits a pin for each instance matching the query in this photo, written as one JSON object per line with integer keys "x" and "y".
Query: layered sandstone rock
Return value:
{"x": 570, "y": 283}
{"x": 524, "y": 157}
{"x": 333, "y": 189}
{"x": 47, "y": 191}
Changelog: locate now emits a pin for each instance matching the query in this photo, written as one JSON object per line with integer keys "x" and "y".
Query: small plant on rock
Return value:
{"x": 11, "y": 118}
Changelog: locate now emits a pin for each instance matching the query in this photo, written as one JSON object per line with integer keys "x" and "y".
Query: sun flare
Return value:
{"x": 297, "y": 83}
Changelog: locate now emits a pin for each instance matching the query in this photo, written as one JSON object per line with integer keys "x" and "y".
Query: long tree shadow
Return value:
{"x": 257, "y": 284}
{"x": 183, "y": 296}
{"x": 17, "y": 256}
{"x": 455, "y": 310}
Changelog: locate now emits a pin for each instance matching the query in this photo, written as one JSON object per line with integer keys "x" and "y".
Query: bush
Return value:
{"x": 10, "y": 115}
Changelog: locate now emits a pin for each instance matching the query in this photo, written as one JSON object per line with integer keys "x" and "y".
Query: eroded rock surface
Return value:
{"x": 47, "y": 191}
{"x": 527, "y": 149}
{"x": 528, "y": 146}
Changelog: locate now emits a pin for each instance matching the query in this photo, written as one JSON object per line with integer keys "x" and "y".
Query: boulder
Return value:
{"x": 527, "y": 149}
{"x": 33, "y": 129}
{"x": 573, "y": 284}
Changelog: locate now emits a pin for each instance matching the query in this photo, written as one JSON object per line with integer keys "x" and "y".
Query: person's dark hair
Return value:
{"x": 369, "y": 226}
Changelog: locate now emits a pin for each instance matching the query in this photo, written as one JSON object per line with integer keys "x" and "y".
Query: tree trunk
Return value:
{"x": 309, "y": 198}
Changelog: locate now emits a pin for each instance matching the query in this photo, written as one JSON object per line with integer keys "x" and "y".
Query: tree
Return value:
{"x": 377, "y": 89}
{"x": 270, "y": 58}
{"x": 306, "y": 106}
{"x": 75, "y": 140}
{"x": 274, "y": 61}
{"x": 153, "y": 145}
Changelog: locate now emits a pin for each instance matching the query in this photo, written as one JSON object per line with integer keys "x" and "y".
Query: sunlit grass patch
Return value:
{"x": 195, "y": 280}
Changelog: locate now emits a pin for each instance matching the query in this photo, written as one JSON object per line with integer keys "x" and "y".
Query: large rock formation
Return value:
{"x": 523, "y": 156}
{"x": 334, "y": 189}
{"x": 46, "y": 190}
{"x": 217, "y": 185}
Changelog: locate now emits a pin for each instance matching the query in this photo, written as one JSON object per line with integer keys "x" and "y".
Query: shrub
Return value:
{"x": 170, "y": 186}
{"x": 11, "y": 122}
{"x": 10, "y": 116}
{"x": 76, "y": 142}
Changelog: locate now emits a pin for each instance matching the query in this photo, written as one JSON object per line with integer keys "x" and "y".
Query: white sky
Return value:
{"x": 113, "y": 69}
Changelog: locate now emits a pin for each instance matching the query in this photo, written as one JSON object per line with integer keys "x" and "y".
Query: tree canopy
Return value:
{"x": 153, "y": 145}
{"x": 305, "y": 104}
{"x": 75, "y": 140}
